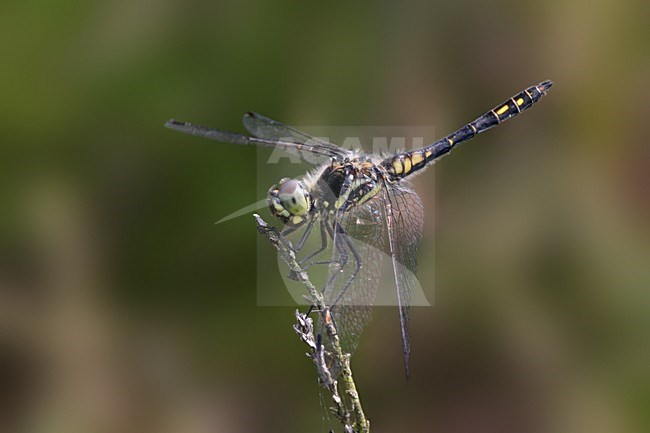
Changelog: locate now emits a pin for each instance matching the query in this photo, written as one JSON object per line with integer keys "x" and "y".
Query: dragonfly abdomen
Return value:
{"x": 407, "y": 163}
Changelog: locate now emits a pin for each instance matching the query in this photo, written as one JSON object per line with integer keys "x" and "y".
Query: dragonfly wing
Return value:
{"x": 312, "y": 153}
{"x": 264, "y": 127}
{"x": 364, "y": 232}
{"x": 405, "y": 224}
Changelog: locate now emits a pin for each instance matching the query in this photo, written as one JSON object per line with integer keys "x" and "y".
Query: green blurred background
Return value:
{"x": 124, "y": 309}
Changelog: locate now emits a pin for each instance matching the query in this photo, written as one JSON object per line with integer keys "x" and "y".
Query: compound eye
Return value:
{"x": 289, "y": 201}
{"x": 294, "y": 197}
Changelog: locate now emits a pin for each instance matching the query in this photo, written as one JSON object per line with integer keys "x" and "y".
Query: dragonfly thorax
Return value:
{"x": 346, "y": 184}
{"x": 290, "y": 201}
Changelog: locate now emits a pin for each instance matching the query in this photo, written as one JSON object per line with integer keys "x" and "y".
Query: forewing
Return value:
{"x": 266, "y": 128}
{"x": 311, "y": 153}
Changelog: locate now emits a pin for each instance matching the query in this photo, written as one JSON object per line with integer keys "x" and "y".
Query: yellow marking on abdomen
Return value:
{"x": 502, "y": 109}
{"x": 520, "y": 101}
{"x": 417, "y": 158}
{"x": 427, "y": 154}
{"x": 407, "y": 165}
{"x": 397, "y": 166}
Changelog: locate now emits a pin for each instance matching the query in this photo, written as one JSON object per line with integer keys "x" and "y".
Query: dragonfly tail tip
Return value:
{"x": 545, "y": 85}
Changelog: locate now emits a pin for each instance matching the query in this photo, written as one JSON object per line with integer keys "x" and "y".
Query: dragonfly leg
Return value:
{"x": 357, "y": 264}
{"x": 305, "y": 235}
{"x": 323, "y": 246}
{"x": 343, "y": 256}
{"x": 305, "y": 262}
{"x": 287, "y": 230}
{"x": 343, "y": 259}
{"x": 319, "y": 262}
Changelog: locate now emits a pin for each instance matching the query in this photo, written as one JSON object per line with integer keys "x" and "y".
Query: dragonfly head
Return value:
{"x": 290, "y": 201}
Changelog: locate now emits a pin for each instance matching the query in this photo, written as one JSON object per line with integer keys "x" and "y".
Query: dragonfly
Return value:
{"x": 364, "y": 207}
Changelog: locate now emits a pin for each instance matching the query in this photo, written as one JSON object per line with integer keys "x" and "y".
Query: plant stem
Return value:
{"x": 356, "y": 420}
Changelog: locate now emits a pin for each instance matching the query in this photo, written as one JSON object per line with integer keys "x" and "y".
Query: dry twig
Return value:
{"x": 347, "y": 409}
